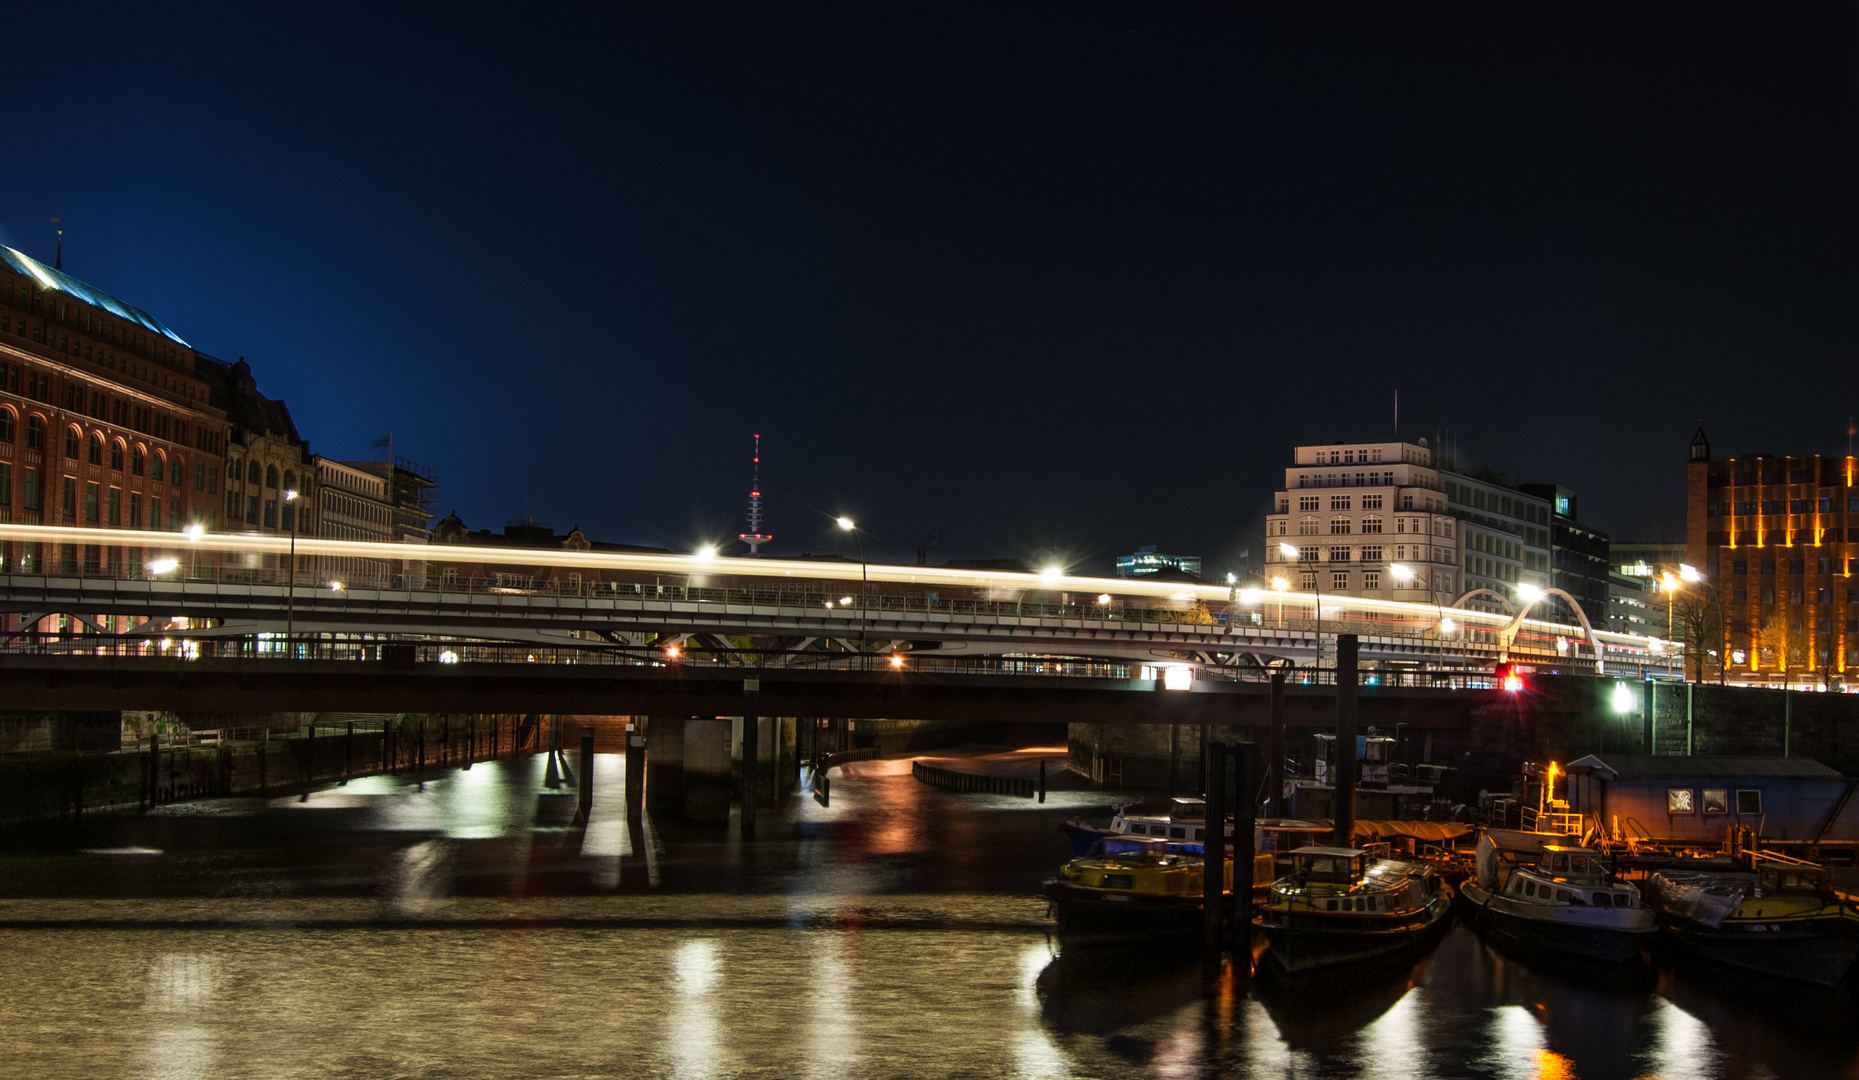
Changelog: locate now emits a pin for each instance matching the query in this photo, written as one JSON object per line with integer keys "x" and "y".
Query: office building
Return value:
{"x": 1776, "y": 537}
{"x": 1578, "y": 556}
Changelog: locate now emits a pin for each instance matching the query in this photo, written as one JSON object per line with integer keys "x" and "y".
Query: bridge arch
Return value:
{"x": 1492, "y": 593}
{"x": 1509, "y": 633}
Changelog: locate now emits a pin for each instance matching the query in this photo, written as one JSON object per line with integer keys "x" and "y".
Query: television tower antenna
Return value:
{"x": 755, "y": 537}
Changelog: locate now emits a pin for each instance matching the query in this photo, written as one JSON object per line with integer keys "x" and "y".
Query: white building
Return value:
{"x": 352, "y": 504}
{"x": 1355, "y": 512}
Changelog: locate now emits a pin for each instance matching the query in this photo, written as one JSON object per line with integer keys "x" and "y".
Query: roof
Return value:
{"x": 58, "y": 281}
{"x": 1662, "y": 767}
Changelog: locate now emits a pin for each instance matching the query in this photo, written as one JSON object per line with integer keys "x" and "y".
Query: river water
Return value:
{"x": 459, "y": 928}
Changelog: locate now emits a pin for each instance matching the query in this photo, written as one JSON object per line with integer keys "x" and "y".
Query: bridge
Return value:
{"x": 217, "y": 593}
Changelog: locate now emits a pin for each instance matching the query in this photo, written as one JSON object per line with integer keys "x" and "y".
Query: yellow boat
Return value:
{"x": 1138, "y": 886}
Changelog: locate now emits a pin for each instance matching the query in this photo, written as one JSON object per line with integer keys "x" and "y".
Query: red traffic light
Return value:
{"x": 1509, "y": 677}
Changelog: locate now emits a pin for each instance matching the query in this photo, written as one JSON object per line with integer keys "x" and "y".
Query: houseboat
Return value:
{"x": 1345, "y": 906}
{"x": 1547, "y": 895}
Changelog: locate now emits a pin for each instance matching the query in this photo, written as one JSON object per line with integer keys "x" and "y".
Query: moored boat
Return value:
{"x": 1343, "y": 906}
{"x": 1778, "y": 918}
{"x": 1554, "y": 897}
{"x": 1138, "y": 886}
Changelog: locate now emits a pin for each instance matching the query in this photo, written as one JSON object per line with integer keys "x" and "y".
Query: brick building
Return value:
{"x": 1776, "y": 536}
{"x": 105, "y": 419}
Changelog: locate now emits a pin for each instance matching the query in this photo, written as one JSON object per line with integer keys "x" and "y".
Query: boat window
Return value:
{"x": 1178, "y": 833}
{"x": 1119, "y": 881}
{"x": 1329, "y": 905}
{"x": 1529, "y": 888}
{"x": 1564, "y": 896}
{"x": 1581, "y": 864}
{"x": 1623, "y": 899}
{"x": 1602, "y": 899}
{"x": 1200, "y": 834}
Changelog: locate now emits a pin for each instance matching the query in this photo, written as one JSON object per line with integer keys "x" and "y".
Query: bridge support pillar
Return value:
{"x": 1346, "y": 686}
{"x": 706, "y": 771}
{"x": 1275, "y": 746}
{"x": 635, "y": 768}
{"x": 751, "y": 751}
{"x": 664, "y": 763}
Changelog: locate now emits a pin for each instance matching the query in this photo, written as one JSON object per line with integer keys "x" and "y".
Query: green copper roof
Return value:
{"x": 58, "y": 281}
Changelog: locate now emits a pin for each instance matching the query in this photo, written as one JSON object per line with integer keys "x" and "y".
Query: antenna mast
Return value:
{"x": 755, "y": 537}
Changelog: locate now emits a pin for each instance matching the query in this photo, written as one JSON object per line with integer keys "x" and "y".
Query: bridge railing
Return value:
{"x": 1176, "y": 614}
{"x": 409, "y": 651}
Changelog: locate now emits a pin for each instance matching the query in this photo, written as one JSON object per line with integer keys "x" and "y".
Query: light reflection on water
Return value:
{"x": 843, "y": 943}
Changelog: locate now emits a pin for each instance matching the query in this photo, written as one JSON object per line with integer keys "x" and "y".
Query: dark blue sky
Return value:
{"x": 1069, "y": 278}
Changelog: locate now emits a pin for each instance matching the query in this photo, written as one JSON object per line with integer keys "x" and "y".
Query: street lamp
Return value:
{"x": 1404, "y": 572}
{"x": 850, "y": 526}
{"x": 1316, "y": 583}
{"x": 194, "y": 533}
{"x": 1670, "y": 584}
{"x": 1693, "y": 576}
{"x": 1279, "y": 585}
{"x": 290, "y": 601}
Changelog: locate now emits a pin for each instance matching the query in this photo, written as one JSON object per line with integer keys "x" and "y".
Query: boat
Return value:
{"x": 1345, "y": 906}
{"x": 1778, "y": 917}
{"x": 1183, "y": 821}
{"x": 1138, "y": 886}
{"x": 1551, "y": 896}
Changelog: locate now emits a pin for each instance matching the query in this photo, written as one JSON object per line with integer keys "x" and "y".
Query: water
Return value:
{"x": 459, "y": 929}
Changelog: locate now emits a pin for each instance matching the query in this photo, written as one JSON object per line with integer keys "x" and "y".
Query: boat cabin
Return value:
{"x": 1569, "y": 876}
{"x": 1329, "y": 865}
{"x": 1572, "y": 863}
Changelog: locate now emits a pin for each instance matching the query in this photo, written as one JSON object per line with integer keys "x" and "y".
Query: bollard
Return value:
{"x": 309, "y": 755}
{"x": 1042, "y": 779}
{"x": 584, "y": 805}
{"x": 348, "y": 753}
{"x": 264, "y": 761}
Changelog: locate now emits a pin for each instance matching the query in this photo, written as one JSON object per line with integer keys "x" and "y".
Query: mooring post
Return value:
{"x": 584, "y": 806}
{"x": 1346, "y": 645}
{"x": 348, "y": 753}
{"x": 1213, "y": 846}
{"x": 751, "y": 748}
{"x": 148, "y": 777}
{"x": 264, "y": 760}
{"x": 1275, "y": 747}
{"x": 419, "y": 767}
{"x": 1244, "y": 812}
{"x": 309, "y": 754}
{"x": 1042, "y": 779}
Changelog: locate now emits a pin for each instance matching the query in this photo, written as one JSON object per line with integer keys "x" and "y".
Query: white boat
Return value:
{"x": 1551, "y": 896}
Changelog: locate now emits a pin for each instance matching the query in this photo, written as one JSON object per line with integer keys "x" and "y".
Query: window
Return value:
{"x": 1371, "y": 579}
{"x": 253, "y": 473}
{"x": 1716, "y": 801}
{"x": 1371, "y": 525}
{"x": 1339, "y": 502}
{"x": 155, "y": 465}
{"x": 1678, "y": 801}
{"x": 90, "y": 502}
{"x": 96, "y": 449}
{"x": 116, "y": 455}
{"x": 1371, "y": 554}
{"x": 154, "y": 513}
{"x": 71, "y": 437}
{"x": 6, "y": 484}
{"x": 135, "y": 510}
{"x": 1339, "y": 580}
{"x": 1308, "y": 502}
{"x": 1339, "y": 554}
{"x": 1371, "y": 502}
{"x": 1794, "y": 596}
{"x": 136, "y": 461}
{"x": 1825, "y": 566}
{"x": 1748, "y": 800}
{"x": 1797, "y": 506}
{"x": 1823, "y": 596}
{"x": 6, "y": 425}
{"x": 1339, "y": 526}
{"x": 271, "y": 476}
{"x": 1742, "y": 596}
{"x": 30, "y": 482}
{"x": 251, "y": 510}
{"x": 1307, "y": 582}
{"x": 1307, "y": 526}
{"x": 116, "y": 506}
{"x": 290, "y": 483}
{"x": 200, "y": 475}
{"x": 35, "y": 433}
{"x": 1797, "y": 566}
{"x": 69, "y": 506}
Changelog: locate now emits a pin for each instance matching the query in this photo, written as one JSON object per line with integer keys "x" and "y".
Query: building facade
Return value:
{"x": 1352, "y": 512}
{"x": 1579, "y": 556}
{"x": 105, "y": 419}
{"x": 266, "y": 460}
{"x": 353, "y": 504}
{"x": 1505, "y": 535}
{"x": 1776, "y": 536}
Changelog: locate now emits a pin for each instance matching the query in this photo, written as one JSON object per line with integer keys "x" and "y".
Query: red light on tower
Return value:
{"x": 755, "y": 537}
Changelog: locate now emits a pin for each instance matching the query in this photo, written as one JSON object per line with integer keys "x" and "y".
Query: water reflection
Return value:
{"x": 459, "y": 927}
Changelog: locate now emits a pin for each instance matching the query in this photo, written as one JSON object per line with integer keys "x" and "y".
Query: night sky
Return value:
{"x": 1035, "y": 280}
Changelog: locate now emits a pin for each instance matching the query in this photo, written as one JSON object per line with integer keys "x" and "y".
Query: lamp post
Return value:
{"x": 1670, "y": 585}
{"x": 1279, "y": 585}
{"x": 864, "y": 583}
{"x": 1316, "y": 583}
{"x": 194, "y": 533}
{"x": 1404, "y": 572}
{"x": 290, "y": 588}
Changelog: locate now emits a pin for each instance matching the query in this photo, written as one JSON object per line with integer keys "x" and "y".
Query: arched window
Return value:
{"x": 1307, "y": 526}
{"x": 96, "y": 448}
{"x": 116, "y": 455}
{"x": 177, "y": 470}
{"x": 271, "y": 476}
{"x": 136, "y": 460}
{"x": 253, "y": 473}
{"x": 35, "y": 433}
{"x": 290, "y": 480}
{"x": 71, "y": 438}
{"x": 6, "y": 425}
{"x": 157, "y": 465}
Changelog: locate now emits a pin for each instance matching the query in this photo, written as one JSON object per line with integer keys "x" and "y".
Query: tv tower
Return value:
{"x": 755, "y": 537}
